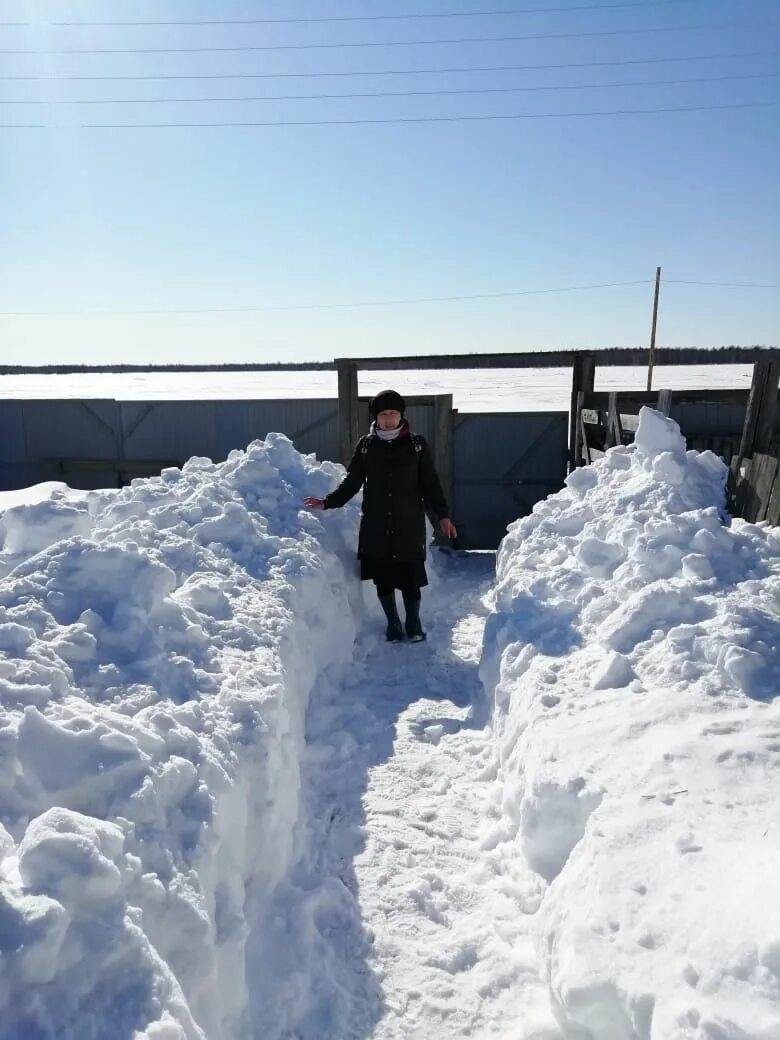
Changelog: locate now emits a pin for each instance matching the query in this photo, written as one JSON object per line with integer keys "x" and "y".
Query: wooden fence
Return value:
{"x": 742, "y": 427}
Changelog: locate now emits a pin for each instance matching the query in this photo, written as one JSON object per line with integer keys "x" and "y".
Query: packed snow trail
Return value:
{"x": 392, "y": 925}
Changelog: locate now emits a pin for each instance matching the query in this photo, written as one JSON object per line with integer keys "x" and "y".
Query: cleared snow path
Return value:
{"x": 393, "y": 923}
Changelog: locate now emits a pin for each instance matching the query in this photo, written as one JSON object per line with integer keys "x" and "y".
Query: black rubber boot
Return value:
{"x": 413, "y": 627}
{"x": 395, "y": 632}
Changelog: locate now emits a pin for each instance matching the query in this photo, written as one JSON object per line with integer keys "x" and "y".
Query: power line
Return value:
{"x": 393, "y": 94}
{"x": 403, "y": 72}
{"x": 427, "y": 119}
{"x": 729, "y": 285}
{"x": 405, "y": 119}
{"x": 384, "y": 17}
{"x": 394, "y": 43}
{"x": 375, "y": 303}
{"x": 377, "y": 17}
{"x": 324, "y": 306}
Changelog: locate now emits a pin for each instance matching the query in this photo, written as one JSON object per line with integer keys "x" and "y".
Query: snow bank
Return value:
{"x": 38, "y": 493}
{"x": 157, "y": 647}
{"x": 633, "y": 654}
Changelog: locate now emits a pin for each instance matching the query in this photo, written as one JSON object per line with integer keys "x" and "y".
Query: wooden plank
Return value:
{"x": 582, "y": 381}
{"x": 594, "y": 417}
{"x": 348, "y": 408}
{"x": 637, "y": 398}
{"x": 612, "y": 356}
{"x": 761, "y": 410}
{"x": 732, "y": 490}
{"x": 755, "y": 398}
{"x": 740, "y": 470}
{"x": 664, "y": 401}
{"x": 773, "y": 505}
{"x": 763, "y": 473}
{"x": 583, "y": 443}
{"x": 614, "y": 426}
{"x": 767, "y": 418}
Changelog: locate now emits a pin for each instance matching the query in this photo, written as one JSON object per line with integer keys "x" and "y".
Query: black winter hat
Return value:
{"x": 387, "y": 399}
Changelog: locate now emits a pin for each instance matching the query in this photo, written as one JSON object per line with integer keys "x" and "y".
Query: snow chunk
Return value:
{"x": 30, "y": 528}
{"x": 740, "y": 664}
{"x": 6, "y": 843}
{"x": 614, "y": 673}
{"x": 553, "y": 821}
{"x": 71, "y": 857}
{"x": 658, "y": 435}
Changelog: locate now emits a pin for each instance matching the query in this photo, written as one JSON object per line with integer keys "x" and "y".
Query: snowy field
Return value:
{"x": 486, "y": 390}
{"x": 230, "y": 811}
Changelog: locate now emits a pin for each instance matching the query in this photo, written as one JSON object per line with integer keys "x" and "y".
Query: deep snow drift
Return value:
{"x": 583, "y": 846}
{"x": 634, "y": 654}
{"x": 155, "y": 664}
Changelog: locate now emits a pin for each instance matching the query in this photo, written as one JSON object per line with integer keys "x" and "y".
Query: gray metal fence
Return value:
{"x": 104, "y": 443}
{"x": 503, "y": 463}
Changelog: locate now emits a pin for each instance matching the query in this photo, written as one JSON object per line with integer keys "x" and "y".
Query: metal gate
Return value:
{"x": 503, "y": 463}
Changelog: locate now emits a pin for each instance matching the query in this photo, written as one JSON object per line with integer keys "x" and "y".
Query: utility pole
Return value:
{"x": 652, "y": 334}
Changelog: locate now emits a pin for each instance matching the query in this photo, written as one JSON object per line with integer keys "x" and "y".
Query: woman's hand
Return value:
{"x": 448, "y": 529}
{"x": 314, "y": 503}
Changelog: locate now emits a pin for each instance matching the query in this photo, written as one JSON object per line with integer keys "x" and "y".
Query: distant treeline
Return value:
{"x": 267, "y": 366}
{"x": 619, "y": 356}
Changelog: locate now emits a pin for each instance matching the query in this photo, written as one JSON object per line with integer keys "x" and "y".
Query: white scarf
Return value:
{"x": 386, "y": 435}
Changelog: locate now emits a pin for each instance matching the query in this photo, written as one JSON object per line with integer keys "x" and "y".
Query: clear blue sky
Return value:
{"x": 105, "y": 221}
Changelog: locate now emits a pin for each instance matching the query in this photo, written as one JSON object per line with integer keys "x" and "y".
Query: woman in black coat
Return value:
{"x": 395, "y": 469}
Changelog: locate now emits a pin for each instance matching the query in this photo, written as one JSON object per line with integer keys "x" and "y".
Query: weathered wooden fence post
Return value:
{"x": 755, "y": 490}
{"x": 758, "y": 431}
{"x": 349, "y": 423}
{"x": 614, "y": 425}
{"x": 582, "y": 382}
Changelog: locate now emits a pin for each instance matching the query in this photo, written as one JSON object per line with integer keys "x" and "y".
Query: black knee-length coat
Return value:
{"x": 399, "y": 484}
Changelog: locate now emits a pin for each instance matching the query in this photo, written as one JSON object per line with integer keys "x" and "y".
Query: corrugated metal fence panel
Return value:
{"x": 13, "y": 444}
{"x": 175, "y": 430}
{"x": 169, "y": 431}
{"x": 711, "y": 425}
{"x": 709, "y": 419}
{"x": 312, "y": 425}
{"x": 15, "y": 468}
{"x": 503, "y": 464}
{"x": 41, "y": 439}
{"x": 67, "y": 439}
{"x": 71, "y": 429}
{"x": 421, "y": 420}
